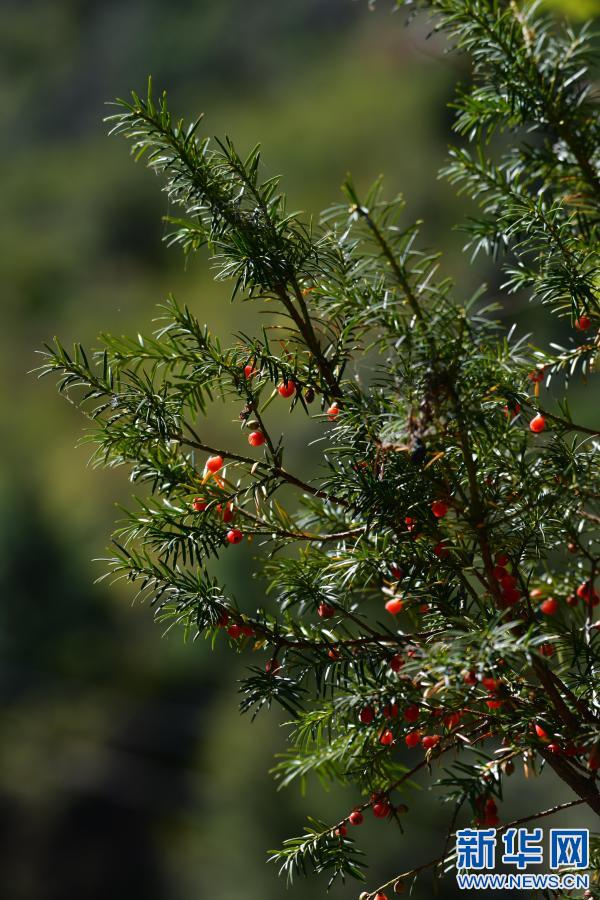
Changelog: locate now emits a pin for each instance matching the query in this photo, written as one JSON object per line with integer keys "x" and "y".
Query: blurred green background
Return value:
{"x": 125, "y": 769}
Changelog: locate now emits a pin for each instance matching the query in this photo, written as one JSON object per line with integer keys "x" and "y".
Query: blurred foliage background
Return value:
{"x": 125, "y": 770}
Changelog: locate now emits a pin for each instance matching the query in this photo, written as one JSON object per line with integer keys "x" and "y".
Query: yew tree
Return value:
{"x": 430, "y": 584}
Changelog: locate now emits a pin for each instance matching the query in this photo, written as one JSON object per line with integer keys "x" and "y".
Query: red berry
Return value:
{"x": 511, "y": 596}
{"x": 429, "y": 741}
{"x": 502, "y": 559}
{"x": 286, "y": 389}
{"x": 547, "y": 649}
{"x": 325, "y": 611}
{"x": 394, "y": 605}
{"x": 226, "y": 512}
{"x": 396, "y": 572}
{"x": 411, "y": 524}
{"x": 256, "y": 438}
{"x": 490, "y": 684}
{"x": 214, "y": 463}
{"x": 499, "y": 573}
{"x": 381, "y": 809}
{"x": 333, "y": 411}
{"x": 571, "y": 600}
{"x": 594, "y": 758}
{"x": 537, "y": 424}
{"x": 411, "y": 713}
{"x": 390, "y": 711}
{"x": 452, "y": 720}
{"x": 366, "y": 715}
{"x": 387, "y": 738}
{"x": 541, "y": 732}
{"x": 356, "y": 817}
{"x": 582, "y": 323}
{"x": 555, "y": 748}
{"x": 234, "y": 631}
{"x": 508, "y": 582}
{"x": 248, "y": 630}
{"x": 235, "y": 536}
{"x": 439, "y": 508}
{"x": 272, "y": 667}
{"x": 441, "y": 550}
{"x": 199, "y": 504}
{"x": 380, "y": 896}
{"x": 588, "y": 594}
{"x": 396, "y": 663}
{"x": 412, "y": 738}
{"x": 536, "y": 376}
{"x": 470, "y": 677}
{"x": 341, "y": 831}
{"x": 549, "y": 607}
{"x": 333, "y": 654}
{"x": 535, "y": 593}
{"x": 249, "y": 371}
{"x": 223, "y": 619}
{"x": 494, "y": 704}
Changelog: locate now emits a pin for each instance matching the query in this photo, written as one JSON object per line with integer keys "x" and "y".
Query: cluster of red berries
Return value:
{"x": 381, "y": 808}
{"x": 570, "y": 749}
{"x": 234, "y": 630}
{"x": 511, "y": 411}
{"x": 550, "y": 606}
{"x": 507, "y": 582}
{"x": 492, "y": 685}
{"x": 200, "y": 504}
{"x": 410, "y": 715}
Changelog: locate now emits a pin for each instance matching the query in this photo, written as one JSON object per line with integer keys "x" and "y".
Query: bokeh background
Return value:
{"x": 125, "y": 769}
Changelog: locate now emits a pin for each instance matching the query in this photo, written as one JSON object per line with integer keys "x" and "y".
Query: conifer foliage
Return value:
{"x": 433, "y": 582}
